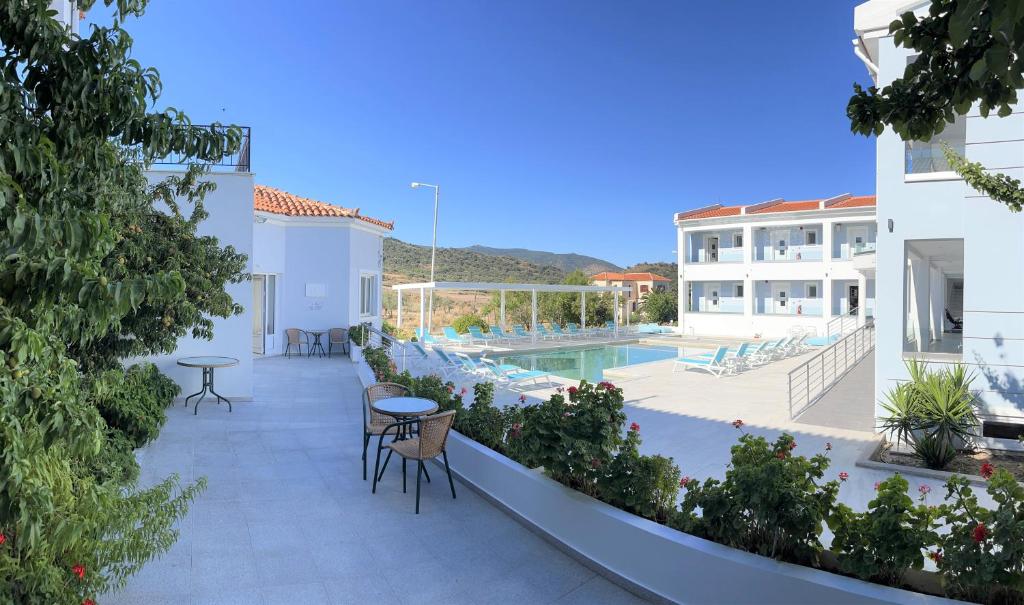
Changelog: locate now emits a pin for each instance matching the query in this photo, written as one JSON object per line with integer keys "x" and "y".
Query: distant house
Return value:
{"x": 315, "y": 266}
{"x": 779, "y": 265}
{"x": 640, "y": 285}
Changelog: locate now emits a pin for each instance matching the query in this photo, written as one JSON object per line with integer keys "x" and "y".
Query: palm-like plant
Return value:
{"x": 933, "y": 412}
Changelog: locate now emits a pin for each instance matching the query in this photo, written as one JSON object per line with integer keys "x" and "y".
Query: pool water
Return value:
{"x": 590, "y": 363}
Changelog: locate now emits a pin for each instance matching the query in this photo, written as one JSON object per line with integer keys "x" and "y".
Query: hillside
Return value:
{"x": 405, "y": 262}
{"x": 566, "y": 262}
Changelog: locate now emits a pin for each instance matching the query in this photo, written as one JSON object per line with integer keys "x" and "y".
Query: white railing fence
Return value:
{"x": 813, "y": 378}
{"x": 843, "y": 324}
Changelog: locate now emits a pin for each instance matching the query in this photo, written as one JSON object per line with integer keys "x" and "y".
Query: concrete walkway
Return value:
{"x": 850, "y": 403}
{"x": 288, "y": 519}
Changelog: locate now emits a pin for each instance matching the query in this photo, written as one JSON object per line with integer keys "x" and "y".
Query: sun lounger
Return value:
{"x": 453, "y": 337}
{"x": 476, "y": 334}
{"x": 714, "y": 365}
{"x": 501, "y": 334}
{"x": 515, "y": 375}
{"x": 425, "y": 338}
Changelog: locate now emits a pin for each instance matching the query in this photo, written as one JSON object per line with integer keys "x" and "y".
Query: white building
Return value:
{"x": 951, "y": 287}
{"x": 765, "y": 269}
{"x": 316, "y": 266}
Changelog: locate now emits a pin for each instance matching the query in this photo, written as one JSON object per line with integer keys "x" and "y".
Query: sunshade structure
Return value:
{"x": 425, "y": 287}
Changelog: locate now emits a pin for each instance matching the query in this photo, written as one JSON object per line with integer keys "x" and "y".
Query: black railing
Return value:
{"x": 240, "y": 161}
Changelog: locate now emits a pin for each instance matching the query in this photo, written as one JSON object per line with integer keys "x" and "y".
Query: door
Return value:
{"x": 259, "y": 290}
{"x": 780, "y": 245}
{"x": 858, "y": 239}
{"x": 781, "y": 299}
{"x": 854, "y": 300}
{"x": 713, "y": 292}
{"x": 712, "y": 248}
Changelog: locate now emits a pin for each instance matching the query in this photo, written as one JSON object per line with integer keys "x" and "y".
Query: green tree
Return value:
{"x": 970, "y": 51}
{"x": 76, "y": 129}
{"x": 660, "y": 306}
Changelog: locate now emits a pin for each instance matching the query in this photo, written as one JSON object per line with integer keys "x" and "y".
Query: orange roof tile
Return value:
{"x": 715, "y": 212}
{"x": 857, "y": 201}
{"x": 788, "y": 207}
{"x": 275, "y": 201}
{"x": 645, "y": 276}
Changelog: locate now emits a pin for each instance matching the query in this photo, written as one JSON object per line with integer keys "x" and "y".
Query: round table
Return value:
{"x": 402, "y": 408}
{"x": 208, "y": 363}
{"x": 317, "y": 345}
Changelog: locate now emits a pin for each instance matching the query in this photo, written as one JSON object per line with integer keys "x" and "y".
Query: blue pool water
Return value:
{"x": 590, "y": 363}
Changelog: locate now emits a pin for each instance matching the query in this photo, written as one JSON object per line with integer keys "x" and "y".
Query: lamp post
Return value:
{"x": 433, "y": 249}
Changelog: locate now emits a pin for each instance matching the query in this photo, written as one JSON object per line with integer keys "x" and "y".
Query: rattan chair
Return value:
{"x": 337, "y": 336}
{"x": 295, "y": 338}
{"x": 375, "y": 423}
{"x": 428, "y": 444}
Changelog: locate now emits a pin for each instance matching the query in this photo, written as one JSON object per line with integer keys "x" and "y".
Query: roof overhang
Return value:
{"x": 486, "y": 286}
{"x": 335, "y": 222}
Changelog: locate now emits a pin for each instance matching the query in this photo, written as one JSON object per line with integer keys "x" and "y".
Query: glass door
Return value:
{"x": 259, "y": 292}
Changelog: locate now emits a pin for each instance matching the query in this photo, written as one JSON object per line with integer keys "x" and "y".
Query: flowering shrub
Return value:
{"x": 770, "y": 502}
{"x": 481, "y": 421}
{"x": 983, "y": 553}
{"x": 644, "y": 485}
{"x": 883, "y": 542}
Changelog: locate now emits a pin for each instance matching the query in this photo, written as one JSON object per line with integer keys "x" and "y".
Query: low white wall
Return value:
{"x": 644, "y": 555}
{"x": 746, "y": 326}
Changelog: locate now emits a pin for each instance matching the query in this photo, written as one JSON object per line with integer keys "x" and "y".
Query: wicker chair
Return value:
{"x": 295, "y": 338}
{"x": 428, "y": 444}
{"x": 375, "y": 423}
{"x": 337, "y": 336}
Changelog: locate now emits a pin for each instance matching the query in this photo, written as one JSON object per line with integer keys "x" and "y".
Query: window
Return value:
{"x": 739, "y": 290}
{"x": 737, "y": 240}
{"x": 271, "y": 302}
{"x": 924, "y": 157}
{"x": 812, "y": 237}
{"x": 368, "y": 295}
{"x": 812, "y": 291}
{"x": 643, "y": 288}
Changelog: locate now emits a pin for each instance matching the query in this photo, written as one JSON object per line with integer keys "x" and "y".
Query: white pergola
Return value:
{"x": 425, "y": 287}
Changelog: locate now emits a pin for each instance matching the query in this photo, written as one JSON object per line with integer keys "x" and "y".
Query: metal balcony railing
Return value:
{"x": 240, "y": 161}
{"x": 813, "y": 378}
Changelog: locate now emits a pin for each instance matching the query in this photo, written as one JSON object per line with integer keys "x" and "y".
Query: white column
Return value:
{"x": 615, "y": 313}
{"x": 629, "y": 310}
{"x": 423, "y": 309}
{"x": 828, "y": 233}
{"x": 399, "y": 297}
{"x": 533, "y": 316}
{"x": 862, "y": 299}
{"x": 583, "y": 311}
{"x": 502, "y": 312}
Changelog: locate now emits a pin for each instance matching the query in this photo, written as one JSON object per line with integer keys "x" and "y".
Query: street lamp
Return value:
{"x": 433, "y": 249}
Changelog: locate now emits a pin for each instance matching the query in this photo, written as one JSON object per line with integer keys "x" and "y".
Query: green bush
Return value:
{"x": 770, "y": 502}
{"x": 133, "y": 401}
{"x": 481, "y": 421}
{"x": 882, "y": 543}
{"x": 359, "y": 335}
{"x": 463, "y": 322}
{"x": 644, "y": 485}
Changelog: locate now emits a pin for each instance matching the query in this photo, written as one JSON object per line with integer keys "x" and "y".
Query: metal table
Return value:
{"x": 208, "y": 364}
{"x": 403, "y": 408}
{"x": 317, "y": 346}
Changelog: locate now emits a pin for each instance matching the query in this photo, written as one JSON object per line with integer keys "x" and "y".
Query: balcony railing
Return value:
{"x": 922, "y": 157}
{"x": 794, "y": 253}
{"x": 799, "y": 307}
{"x": 725, "y": 255}
{"x": 240, "y": 161}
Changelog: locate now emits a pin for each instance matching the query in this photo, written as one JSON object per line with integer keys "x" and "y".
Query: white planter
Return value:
{"x": 356, "y": 353}
{"x": 643, "y": 554}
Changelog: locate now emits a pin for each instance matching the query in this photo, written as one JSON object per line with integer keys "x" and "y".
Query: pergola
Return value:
{"x": 425, "y": 287}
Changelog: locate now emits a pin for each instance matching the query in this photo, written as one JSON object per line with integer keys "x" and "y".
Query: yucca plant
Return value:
{"x": 933, "y": 412}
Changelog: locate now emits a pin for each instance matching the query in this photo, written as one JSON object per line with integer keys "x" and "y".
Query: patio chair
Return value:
{"x": 714, "y": 365}
{"x": 501, "y": 334}
{"x": 424, "y": 337}
{"x": 453, "y": 337}
{"x": 543, "y": 332}
{"x": 375, "y": 423}
{"x": 339, "y": 337}
{"x": 735, "y": 359}
{"x": 557, "y": 331}
{"x": 520, "y": 331}
{"x": 609, "y": 327}
{"x": 419, "y": 354}
{"x": 429, "y": 443}
{"x": 765, "y": 352}
{"x": 475, "y": 334}
{"x": 958, "y": 324}
{"x": 450, "y": 366}
{"x": 476, "y": 369}
{"x": 574, "y": 331}
{"x": 511, "y": 375}
{"x": 295, "y": 337}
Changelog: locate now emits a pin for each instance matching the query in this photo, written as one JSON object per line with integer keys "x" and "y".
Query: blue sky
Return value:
{"x": 570, "y": 126}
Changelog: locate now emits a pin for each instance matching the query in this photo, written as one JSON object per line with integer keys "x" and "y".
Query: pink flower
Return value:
{"x": 78, "y": 570}
{"x": 737, "y": 423}
{"x": 451, "y": 389}
{"x": 566, "y": 415}
{"x": 780, "y": 455}
{"x": 987, "y": 470}
{"x": 828, "y": 446}
{"x": 936, "y": 556}
{"x": 877, "y": 485}
{"x": 792, "y": 445}
{"x": 572, "y": 391}
{"x": 843, "y": 476}
{"x": 634, "y": 427}
{"x": 463, "y": 391}
{"x": 517, "y": 430}
{"x": 924, "y": 489}
{"x": 3, "y": 538}
{"x": 980, "y": 533}
{"x": 522, "y": 399}
{"x": 684, "y": 481}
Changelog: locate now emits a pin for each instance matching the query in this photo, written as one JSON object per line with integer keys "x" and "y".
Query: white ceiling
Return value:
{"x": 945, "y": 254}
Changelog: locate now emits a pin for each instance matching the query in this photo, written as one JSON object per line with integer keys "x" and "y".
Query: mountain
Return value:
{"x": 405, "y": 262}
{"x": 566, "y": 262}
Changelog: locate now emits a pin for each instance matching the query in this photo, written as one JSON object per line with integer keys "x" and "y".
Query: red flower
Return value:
{"x": 877, "y": 485}
{"x": 79, "y": 570}
{"x": 792, "y": 445}
{"x": 828, "y": 446}
{"x": 522, "y": 399}
{"x": 451, "y": 389}
{"x": 3, "y": 538}
{"x": 517, "y": 431}
{"x": 737, "y": 423}
{"x": 980, "y": 533}
{"x": 987, "y": 470}
{"x": 634, "y": 427}
{"x": 88, "y": 602}
{"x": 924, "y": 489}
{"x": 572, "y": 391}
{"x": 936, "y": 556}
{"x": 684, "y": 481}
{"x": 843, "y": 476}
{"x": 780, "y": 455}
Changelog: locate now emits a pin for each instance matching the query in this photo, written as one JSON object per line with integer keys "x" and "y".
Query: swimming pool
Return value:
{"x": 590, "y": 363}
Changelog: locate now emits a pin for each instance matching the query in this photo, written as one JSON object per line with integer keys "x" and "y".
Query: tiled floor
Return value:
{"x": 288, "y": 519}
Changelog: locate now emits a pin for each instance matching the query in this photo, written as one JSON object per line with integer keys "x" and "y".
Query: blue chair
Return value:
{"x": 520, "y": 331}
{"x": 557, "y": 331}
{"x": 450, "y": 335}
{"x": 503, "y": 335}
{"x": 422, "y": 336}
{"x": 450, "y": 367}
{"x": 475, "y": 334}
{"x": 543, "y": 332}
{"x": 714, "y": 365}
{"x": 515, "y": 375}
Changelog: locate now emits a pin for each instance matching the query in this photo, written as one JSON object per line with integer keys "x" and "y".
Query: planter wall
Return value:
{"x": 643, "y": 555}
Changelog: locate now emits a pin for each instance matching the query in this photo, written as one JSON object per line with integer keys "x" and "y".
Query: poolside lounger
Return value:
{"x": 516, "y": 375}
{"x": 472, "y": 367}
{"x": 450, "y": 366}
{"x": 574, "y": 331}
{"x": 714, "y": 365}
{"x": 419, "y": 355}
{"x": 557, "y": 330}
{"x": 425, "y": 338}
{"x": 450, "y": 335}
{"x": 609, "y": 327}
{"x": 765, "y": 352}
{"x": 521, "y": 331}
{"x": 503, "y": 335}
{"x": 475, "y": 333}
{"x": 543, "y": 332}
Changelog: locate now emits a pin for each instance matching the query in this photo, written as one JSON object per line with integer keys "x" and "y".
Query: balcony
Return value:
{"x": 236, "y": 162}
{"x": 799, "y": 253}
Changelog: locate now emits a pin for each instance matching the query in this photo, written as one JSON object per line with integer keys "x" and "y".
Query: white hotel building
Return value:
{"x": 766, "y": 269}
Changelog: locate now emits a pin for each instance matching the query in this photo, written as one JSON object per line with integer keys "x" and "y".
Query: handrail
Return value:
{"x": 814, "y": 377}
{"x": 838, "y": 324}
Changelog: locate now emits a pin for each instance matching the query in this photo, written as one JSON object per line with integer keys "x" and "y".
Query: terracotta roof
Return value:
{"x": 275, "y": 201}
{"x": 856, "y": 201}
{"x": 610, "y": 276}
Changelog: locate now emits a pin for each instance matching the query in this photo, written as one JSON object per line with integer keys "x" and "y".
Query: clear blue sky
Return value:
{"x": 570, "y": 126}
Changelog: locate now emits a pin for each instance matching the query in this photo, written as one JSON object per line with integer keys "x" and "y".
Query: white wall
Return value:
{"x": 230, "y": 220}
{"x": 993, "y": 336}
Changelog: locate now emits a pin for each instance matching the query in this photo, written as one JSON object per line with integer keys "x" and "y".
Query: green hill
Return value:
{"x": 566, "y": 262}
{"x": 405, "y": 262}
